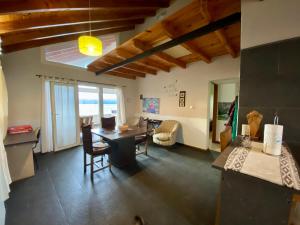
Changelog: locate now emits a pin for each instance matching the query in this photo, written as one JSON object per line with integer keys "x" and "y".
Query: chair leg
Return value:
{"x": 84, "y": 161}
{"x": 109, "y": 165}
{"x": 35, "y": 161}
{"x": 146, "y": 147}
{"x": 92, "y": 167}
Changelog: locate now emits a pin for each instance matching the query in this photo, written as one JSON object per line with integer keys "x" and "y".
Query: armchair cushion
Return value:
{"x": 162, "y": 136}
{"x": 166, "y": 133}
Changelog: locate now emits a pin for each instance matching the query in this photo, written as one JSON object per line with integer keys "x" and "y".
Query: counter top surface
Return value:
{"x": 15, "y": 139}
{"x": 221, "y": 160}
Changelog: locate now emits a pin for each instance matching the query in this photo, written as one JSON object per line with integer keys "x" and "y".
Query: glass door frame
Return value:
{"x": 53, "y": 110}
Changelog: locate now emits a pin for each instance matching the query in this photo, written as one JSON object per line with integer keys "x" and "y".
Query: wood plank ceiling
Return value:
{"x": 195, "y": 15}
{"x": 33, "y": 23}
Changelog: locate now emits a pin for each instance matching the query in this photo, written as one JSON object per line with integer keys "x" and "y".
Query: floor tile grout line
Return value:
{"x": 57, "y": 196}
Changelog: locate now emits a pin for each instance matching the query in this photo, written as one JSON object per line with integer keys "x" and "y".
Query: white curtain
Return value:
{"x": 5, "y": 179}
{"x": 121, "y": 106}
{"x": 46, "y": 123}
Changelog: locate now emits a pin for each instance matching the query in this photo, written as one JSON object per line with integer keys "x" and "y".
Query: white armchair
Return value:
{"x": 166, "y": 133}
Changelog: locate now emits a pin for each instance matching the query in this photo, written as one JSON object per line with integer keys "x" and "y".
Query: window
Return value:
{"x": 89, "y": 102}
{"x": 110, "y": 106}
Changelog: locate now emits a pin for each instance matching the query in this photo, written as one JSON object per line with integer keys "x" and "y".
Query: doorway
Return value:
{"x": 222, "y": 97}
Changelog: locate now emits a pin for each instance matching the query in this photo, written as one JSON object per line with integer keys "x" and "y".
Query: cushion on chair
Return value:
{"x": 100, "y": 145}
{"x": 162, "y": 136}
{"x": 100, "y": 148}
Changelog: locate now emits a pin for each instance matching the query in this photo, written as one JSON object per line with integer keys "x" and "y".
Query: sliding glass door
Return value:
{"x": 110, "y": 102}
{"x": 65, "y": 115}
{"x": 89, "y": 104}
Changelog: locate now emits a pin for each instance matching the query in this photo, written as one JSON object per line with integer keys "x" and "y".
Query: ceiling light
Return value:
{"x": 89, "y": 45}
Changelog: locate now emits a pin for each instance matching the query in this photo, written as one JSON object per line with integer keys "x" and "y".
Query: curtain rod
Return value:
{"x": 83, "y": 81}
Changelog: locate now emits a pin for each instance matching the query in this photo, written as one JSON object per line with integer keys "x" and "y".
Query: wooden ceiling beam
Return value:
{"x": 15, "y": 22}
{"x": 132, "y": 66}
{"x": 93, "y": 69}
{"x": 164, "y": 56}
{"x": 225, "y": 42}
{"x": 58, "y": 39}
{"x": 29, "y": 6}
{"x": 148, "y": 62}
{"x": 101, "y": 64}
{"x": 189, "y": 45}
{"x": 113, "y": 73}
{"x": 216, "y": 25}
{"x": 32, "y": 34}
{"x": 219, "y": 33}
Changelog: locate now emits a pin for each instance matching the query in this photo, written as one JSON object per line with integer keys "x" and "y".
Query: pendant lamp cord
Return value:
{"x": 90, "y": 18}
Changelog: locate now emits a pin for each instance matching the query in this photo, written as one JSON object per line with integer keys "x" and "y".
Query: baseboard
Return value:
{"x": 193, "y": 147}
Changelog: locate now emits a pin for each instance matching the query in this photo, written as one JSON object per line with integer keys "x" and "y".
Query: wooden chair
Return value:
{"x": 225, "y": 138}
{"x": 108, "y": 122}
{"x": 86, "y": 120}
{"x": 142, "y": 139}
{"x": 295, "y": 204}
{"x": 98, "y": 149}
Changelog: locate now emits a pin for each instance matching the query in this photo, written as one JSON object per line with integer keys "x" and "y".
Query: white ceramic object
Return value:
{"x": 245, "y": 130}
{"x": 273, "y": 139}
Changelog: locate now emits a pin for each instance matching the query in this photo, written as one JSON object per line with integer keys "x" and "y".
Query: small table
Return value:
{"x": 122, "y": 144}
{"x": 19, "y": 155}
{"x": 248, "y": 200}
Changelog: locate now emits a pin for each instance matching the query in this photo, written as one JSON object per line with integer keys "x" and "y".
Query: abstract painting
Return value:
{"x": 151, "y": 105}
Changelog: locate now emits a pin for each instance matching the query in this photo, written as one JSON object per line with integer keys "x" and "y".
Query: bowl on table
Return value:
{"x": 123, "y": 128}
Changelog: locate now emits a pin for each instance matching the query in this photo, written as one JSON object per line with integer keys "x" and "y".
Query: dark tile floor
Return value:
{"x": 169, "y": 187}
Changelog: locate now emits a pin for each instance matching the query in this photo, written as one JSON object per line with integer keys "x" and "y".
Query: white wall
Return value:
{"x": 268, "y": 21}
{"x": 24, "y": 88}
{"x": 195, "y": 81}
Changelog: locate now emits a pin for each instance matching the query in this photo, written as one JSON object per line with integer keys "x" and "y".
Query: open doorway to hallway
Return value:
{"x": 223, "y": 109}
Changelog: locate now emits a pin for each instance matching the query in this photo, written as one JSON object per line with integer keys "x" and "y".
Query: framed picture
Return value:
{"x": 151, "y": 105}
{"x": 223, "y": 108}
{"x": 182, "y": 98}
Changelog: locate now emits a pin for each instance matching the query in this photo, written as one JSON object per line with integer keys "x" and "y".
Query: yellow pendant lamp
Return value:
{"x": 89, "y": 45}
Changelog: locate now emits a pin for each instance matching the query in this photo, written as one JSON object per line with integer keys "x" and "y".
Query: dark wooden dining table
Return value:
{"x": 122, "y": 144}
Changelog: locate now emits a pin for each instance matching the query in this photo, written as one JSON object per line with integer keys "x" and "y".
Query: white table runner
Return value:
{"x": 280, "y": 170}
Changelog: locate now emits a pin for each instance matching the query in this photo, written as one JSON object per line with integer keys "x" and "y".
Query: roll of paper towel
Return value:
{"x": 273, "y": 139}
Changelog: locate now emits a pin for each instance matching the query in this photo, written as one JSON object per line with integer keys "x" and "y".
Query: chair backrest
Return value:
{"x": 87, "y": 139}
{"x": 143, "y": 122}
{"x": 169, "y": 126}
{"x": 225, "y": 137}
{"x": 86, "y": 120}
{"x": 108, "y": 122}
